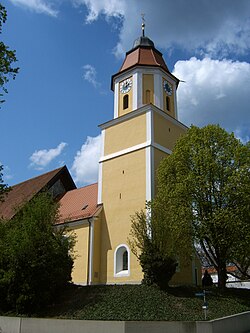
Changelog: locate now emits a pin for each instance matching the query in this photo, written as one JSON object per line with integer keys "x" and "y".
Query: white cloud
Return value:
{"x": 38, "y": 6}
{"x": 208, "y": 27}
{"x": 114, "y": 8}
{"x": 85, "y": 165}
{"x": 41, "y": 158}
{"x": 90, "y": 75}
{"x": 214, "y": 92}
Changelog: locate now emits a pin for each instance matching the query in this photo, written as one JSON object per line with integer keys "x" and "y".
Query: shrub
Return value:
{"x": 157, "y": 268}
{"x": 35, "y": 259}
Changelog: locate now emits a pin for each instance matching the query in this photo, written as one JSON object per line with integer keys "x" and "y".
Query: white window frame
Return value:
{"x": 118, "y": 261}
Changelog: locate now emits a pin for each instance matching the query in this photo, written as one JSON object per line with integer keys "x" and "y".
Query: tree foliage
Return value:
{"x": 7, "y": 59}
{"x": 35, "y": 259}
{"x": 155, "y": 247}
{"x": 204, "y": 189}
{"x": 3, "y": 187}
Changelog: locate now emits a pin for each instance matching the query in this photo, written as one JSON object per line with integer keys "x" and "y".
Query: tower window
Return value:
{"x": 167, "y": 103}
{"x": 121, "y": 261}
{"x": 148, "y": 100}
{"x": 125, "y": 102}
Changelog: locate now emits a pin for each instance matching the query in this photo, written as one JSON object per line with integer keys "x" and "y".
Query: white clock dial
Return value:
{"x": 167, "y": 87}
{"x": 125, "y": 86}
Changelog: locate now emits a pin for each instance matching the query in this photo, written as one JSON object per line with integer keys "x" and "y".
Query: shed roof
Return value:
{"x": 79, "y": 204}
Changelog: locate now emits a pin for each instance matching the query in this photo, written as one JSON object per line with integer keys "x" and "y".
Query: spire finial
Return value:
{"x": 143, "y": 24}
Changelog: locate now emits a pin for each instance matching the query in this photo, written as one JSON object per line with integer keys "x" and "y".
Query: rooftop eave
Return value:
{"x": 79, "y": 219}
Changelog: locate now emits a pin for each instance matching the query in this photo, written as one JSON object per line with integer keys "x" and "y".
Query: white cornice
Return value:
{"x": 125, "y": 151}
{"x": 136, "y": 113}
{"x": 145, "y": 144}
{"x": 142, "y": 69}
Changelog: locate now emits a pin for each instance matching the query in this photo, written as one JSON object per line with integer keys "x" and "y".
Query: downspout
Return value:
{"x": 89, "y": 222}
{"x": 90, "y": 252}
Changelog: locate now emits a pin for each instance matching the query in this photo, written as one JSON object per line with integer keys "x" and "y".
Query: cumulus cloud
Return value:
{"x": 39, "y": 6}
{"x": 89, "y": 75}
{"x": 214, "y": 92}
{"x": 85, "y": 165}
{"x": 41, "y": 158}
{"x": 208, "y": 27}
{"x": 115, "y": 8}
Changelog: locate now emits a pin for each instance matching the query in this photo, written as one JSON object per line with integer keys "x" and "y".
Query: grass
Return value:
{"x": 139, "y": 302}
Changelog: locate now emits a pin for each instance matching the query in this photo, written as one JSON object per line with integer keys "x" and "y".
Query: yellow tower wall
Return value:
{"x": 125, "y": 134}
{"x": 124, "y": 184}
{"x": 129, "y": 144}
{"x": 148, "y": 88}
{"x": 166, "y": 132}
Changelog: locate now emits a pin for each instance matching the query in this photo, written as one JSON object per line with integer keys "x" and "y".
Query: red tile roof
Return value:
{"x": 25, "y": 191}
{"x": 79, "y": 204}
{"x": 212, "y": 270}
{"x": 144, "y": 56}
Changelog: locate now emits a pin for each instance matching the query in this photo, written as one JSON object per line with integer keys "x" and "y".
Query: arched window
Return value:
{"x": 125, "y": 261}
{"x": 121, "y": 261}
{"x": 125, "y": 102}
{"x": 148, "y": 100}
{"x": 167, "y": 103}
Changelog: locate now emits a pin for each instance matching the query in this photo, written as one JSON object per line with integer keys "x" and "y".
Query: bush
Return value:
{"x": 151, "y": 242}
{"x": 157, "y": 268}
{"x": 35, "y": 259}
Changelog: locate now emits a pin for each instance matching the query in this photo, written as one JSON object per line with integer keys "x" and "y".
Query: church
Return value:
{"x": 142, "y": 132}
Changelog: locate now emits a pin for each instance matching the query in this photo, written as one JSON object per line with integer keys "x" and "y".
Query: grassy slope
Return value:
{"x": 136, "y": 302}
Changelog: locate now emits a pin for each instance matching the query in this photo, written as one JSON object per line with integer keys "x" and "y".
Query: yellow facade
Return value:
{"x": 132, "y": 146}
{"x": 124, "y": 183}
{"x": 122, "y": 135}
{"x": 81, "y": 250}
{"x": 166, "y": 132}
{"x": 189, "y": 272}
{"x": 148, "y": 88}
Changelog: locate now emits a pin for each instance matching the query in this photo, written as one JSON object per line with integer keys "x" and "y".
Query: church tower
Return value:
{"x": 143, "y": 130}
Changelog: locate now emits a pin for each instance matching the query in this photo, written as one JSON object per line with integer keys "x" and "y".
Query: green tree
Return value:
{"x": 35, "y": 258}
{"x": 3, "y": 187}
{"x": 241, "y": 249}
{"x": 157, "y": 246}
{"x": 7, "y": 58}
{"x": 203, "y": 186}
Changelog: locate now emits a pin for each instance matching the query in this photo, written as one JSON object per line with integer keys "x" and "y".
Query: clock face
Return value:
{"x": 125, "y": 86}
{"x": 167, "y": 87}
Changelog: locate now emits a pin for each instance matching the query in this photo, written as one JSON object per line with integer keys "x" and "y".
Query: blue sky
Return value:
{"x": 67, "y": 51}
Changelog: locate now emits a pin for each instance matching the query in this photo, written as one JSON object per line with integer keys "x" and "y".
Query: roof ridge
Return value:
{"x": 96, "y": 183}
{"x": 80, "y": 188}
{"x": 153, "y": 54}
{"x": 43, "y": 174}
